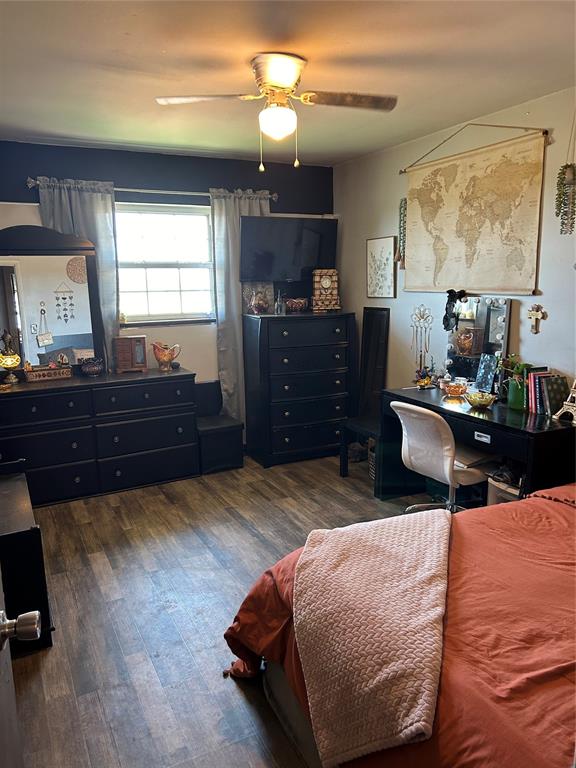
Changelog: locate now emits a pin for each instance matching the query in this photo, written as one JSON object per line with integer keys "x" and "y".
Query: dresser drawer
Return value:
{"x": 309, "y": 411}
{"x": 309, "y": 385}
{"x": 34, "y": 409}
{"x": 145, "y": 434}
{"x": 304, "y": 437}
{"x": 149, "y": 467}
{"x": 307, "y": 333}
{"x": 68, "y": 481}
{"x": 308, "y": 359}
{"x": 62, "y": 446}
{"x": 136, "y": 397}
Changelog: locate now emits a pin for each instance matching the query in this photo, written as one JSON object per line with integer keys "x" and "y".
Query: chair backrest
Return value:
{"x": 427, "y": 442}
{"x": 373, "y": 359}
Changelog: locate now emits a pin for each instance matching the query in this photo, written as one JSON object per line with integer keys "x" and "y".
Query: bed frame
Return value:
{"x": 290, "y": 715}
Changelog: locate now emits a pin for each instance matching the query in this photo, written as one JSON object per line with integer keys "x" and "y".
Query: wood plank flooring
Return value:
{"x": 143, "y": 584}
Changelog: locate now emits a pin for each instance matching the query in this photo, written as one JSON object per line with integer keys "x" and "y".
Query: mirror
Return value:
{"x": 48, "y": 295}
{"x": 481, "y": 328}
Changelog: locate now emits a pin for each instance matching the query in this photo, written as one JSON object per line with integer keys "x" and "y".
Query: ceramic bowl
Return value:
{"x": 92, "y": 367}
{"x": 480, "y": 399}
{"x": 455, "y": 390}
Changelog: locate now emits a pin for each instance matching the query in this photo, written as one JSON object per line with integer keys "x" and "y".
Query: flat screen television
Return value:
{"x": 278, "y": 249}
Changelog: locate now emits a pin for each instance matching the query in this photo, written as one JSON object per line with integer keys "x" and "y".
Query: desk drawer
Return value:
{"x": 148, "y": 467}
{"x": 139, "y": 396}
{"x": 486, "y": 437}
{"x": 145, "y": 434}
{"x": 310, "y": 385}
{"x": 309, "y": 411}
{"x": 305, "y": 437}
{"x": 69, "y": 481}
{"x": 34, "y": 409}
{"x": 307, "y": 333}
{"x": 308, "y": 359}
{"x": 62, "y": 446}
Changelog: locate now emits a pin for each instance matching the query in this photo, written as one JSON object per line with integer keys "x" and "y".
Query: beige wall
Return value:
{"x": 198, "y": 341}
{"x": 367, "y": 193}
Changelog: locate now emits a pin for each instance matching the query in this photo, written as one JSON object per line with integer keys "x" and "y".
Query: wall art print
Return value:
{"x": 380, "y": 271}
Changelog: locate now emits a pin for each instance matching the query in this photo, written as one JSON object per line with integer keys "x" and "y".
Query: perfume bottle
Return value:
{"x": 280, "y": 305}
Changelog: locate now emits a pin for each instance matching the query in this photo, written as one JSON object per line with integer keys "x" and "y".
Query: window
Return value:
{"x": 165, "y": 263}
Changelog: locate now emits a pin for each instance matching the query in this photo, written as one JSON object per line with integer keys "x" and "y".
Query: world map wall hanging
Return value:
{"x": 473, "y": 219}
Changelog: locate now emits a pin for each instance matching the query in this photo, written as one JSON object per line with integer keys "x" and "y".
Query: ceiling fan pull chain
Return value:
{"x": 261, "y": 167}
{"x": 296, "y": 161}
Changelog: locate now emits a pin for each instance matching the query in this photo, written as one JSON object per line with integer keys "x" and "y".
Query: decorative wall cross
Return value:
{"x": 536, "y": 313}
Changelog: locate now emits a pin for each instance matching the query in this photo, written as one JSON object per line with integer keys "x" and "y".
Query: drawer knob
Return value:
{"x": 337, "y": 382}
{"x": 285, "y": 360}
{"x": 337, "y": 433}
{"x": 286, "y": 387}
{"x": 113, "y": 399}
{"x": 146, "y": 395}
{"x": 34, "y": 409}
{"x": 337, "y": 356}
{"x": 70, "y": 403}
{"x": 178, "y": 392}
{"x": 77, "y": 479}
{"x": 180, "y": 430}
{"x": 118, "y": 473}
{"x": 74, "y": 445}
{"x": 284, "y": 333}
{"x": 338, "y": 407}
{"x": 115, "y": 439}
{"x": 286, "y": 414}
{"x": 286, "y": 439}
{"x": 337, "y": 330}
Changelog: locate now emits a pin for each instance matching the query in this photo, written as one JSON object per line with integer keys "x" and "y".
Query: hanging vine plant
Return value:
{"x": 566, "y": 198}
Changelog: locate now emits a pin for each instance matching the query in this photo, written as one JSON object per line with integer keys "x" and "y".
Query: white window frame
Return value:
{"x": 178, "y": 209}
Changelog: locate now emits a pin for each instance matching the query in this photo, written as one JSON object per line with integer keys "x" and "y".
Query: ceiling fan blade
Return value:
{"x": 171, "y": 100}
{"x": 360, "y": 100}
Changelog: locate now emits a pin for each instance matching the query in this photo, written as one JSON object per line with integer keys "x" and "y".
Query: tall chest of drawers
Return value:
{"x": 300, "y": 376}
{"x": 80, "y": 437}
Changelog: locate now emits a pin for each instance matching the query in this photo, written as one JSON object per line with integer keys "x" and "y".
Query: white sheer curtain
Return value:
{"x": 227, "y": 207}
{"x": 86, "y": 209}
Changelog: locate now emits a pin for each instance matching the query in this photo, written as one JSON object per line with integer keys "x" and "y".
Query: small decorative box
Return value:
{"x": 44, "y": 372}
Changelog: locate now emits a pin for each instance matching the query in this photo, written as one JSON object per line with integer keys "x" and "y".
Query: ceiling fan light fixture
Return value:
{"x": 278, "y": 70}
{"x": 277, "y": 121}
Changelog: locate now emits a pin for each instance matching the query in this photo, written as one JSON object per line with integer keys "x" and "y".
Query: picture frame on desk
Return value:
{"x": 381, "y": 268}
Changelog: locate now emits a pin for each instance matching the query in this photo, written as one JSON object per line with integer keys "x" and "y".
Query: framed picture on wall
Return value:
{"x": 380, "y": 268}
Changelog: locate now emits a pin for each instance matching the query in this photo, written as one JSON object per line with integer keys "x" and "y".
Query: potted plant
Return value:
{"x": 513, "y": 382}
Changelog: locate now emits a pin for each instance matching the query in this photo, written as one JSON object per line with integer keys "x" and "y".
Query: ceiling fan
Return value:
{"x": 277, "y": 77}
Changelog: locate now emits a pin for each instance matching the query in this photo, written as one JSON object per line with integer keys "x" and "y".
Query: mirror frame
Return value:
{"x": 29, "y": 240}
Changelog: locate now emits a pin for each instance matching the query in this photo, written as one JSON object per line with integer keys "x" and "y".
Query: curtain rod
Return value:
{"x": 34, "y": 183}
{"x": 543, "y": 131}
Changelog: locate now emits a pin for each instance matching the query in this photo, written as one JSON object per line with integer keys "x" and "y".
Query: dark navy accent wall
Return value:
{"x": 307, "y": 189}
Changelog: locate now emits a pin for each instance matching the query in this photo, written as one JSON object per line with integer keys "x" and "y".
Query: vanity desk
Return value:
{"x": 544, "y": 449}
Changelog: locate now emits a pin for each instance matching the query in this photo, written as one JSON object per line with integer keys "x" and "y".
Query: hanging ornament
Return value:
{"x": 566, "y": 187}
{"x": 566, "y": 198}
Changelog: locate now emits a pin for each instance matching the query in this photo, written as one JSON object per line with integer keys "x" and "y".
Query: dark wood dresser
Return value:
{"x": 83, "y": 436}
{"x": 300, "y": 377}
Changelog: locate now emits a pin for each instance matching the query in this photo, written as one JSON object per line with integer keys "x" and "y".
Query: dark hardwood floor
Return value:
{"x": 143, "y": 584}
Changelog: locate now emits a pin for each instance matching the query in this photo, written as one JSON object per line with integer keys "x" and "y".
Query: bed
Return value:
{"x": 507, "y": 682}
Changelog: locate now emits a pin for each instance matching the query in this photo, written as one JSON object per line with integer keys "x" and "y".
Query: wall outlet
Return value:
{"x": 33, "y": 328}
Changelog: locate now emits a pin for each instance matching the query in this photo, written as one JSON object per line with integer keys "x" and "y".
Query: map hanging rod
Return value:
{"x": 543, "y": 131}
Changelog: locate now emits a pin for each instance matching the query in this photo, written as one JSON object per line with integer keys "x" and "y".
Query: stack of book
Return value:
{"x": 546, "y": 391}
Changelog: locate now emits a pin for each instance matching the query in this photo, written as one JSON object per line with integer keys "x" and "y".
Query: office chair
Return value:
{"x": 428, "y": 448}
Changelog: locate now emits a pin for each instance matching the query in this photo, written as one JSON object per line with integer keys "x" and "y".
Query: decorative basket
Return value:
{"x": 44, "y": 372}
{"x": 372, "y": 458}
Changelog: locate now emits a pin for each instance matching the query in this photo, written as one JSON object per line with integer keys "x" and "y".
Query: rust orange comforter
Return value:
{"x": 507, "y": 686}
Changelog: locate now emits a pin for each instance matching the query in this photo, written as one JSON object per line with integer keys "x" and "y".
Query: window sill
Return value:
{"x": 152, "y": 323}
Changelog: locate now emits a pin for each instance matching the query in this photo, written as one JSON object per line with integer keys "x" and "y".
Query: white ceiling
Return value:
{"x": 87, "y": 72}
